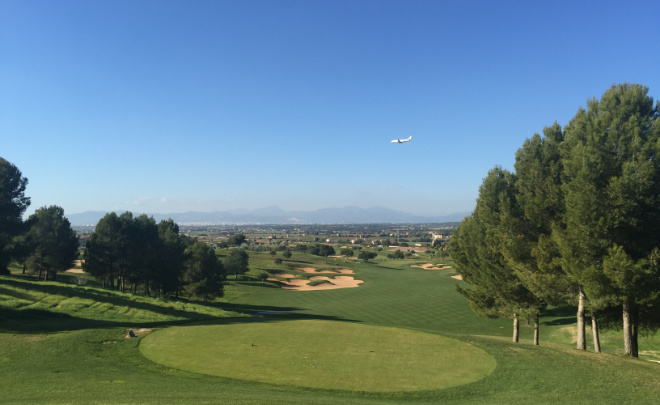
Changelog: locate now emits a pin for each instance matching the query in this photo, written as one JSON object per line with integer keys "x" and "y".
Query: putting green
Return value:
{"x": 321, "y": 354}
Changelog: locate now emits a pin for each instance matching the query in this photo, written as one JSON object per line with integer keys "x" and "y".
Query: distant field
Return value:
{"x": 68, "y": 344}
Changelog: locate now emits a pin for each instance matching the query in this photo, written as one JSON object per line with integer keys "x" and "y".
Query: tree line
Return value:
{"x": 136, "y": 253}
{"x": 45, "y": 242}
{"x": 124, "y": 252}
{"x": 576, "y": 223}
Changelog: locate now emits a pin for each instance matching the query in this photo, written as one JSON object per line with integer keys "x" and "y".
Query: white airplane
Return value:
{"x": 402, "y": 140}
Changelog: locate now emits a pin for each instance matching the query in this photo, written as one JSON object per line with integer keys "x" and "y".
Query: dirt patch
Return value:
{"x": 76, "y": 271}
{"x": 72, "y": 270}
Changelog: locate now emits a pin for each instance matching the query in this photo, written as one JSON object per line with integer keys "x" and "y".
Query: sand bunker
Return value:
{"x": 314, "y": 271}
{"x": 457, "y": 277}
{"x": 430, "y": 266}
{"x": 331, "y": 284}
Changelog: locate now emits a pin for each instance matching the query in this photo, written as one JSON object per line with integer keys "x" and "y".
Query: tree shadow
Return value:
{"x": 560, "y": 315}
{"x": 39, "y": 321}
{"x": 33, "y": 321}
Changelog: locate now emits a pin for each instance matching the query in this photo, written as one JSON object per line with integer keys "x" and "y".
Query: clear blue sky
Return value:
{"x": 172, "y": 106}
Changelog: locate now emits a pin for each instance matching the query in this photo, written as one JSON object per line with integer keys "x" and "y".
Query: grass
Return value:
{"x": 321, "y": 354}
{"x": 58, "y": 347}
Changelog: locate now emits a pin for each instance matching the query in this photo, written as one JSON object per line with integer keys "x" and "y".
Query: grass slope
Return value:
{"x": 57, "y": 347}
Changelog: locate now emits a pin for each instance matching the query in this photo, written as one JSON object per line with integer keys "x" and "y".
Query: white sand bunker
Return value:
{"x": 331, "y": 284}
{"x": 457, "y": 277}
{"x": 430, "y": 266}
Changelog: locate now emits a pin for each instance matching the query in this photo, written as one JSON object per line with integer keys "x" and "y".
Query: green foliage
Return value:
{"x": 237, "y": 262}
{"x": 236, "y": 240}
{"x": 397, "y": 254}
{"x": 124, "y": 249}
{"x": 580, "y": 214}
{"x": 322, "y": 250}
{"x": 366, "y": 255}
{"x": 611, "y": 187}
{"x": 204, "y": 274}
{"x": 477, "y": 251}
{"x": 13, "y": 204}
{"x": 53, "y": 245}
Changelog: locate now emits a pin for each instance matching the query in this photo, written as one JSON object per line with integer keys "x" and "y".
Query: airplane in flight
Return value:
{"x": 402, "y": 140}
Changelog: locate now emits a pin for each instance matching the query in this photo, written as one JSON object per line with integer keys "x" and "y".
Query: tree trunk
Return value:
{"x": 635, "y": 332}
{"x": 627, "y": 329}
{"x": 581, "y": 341}
{"x": 536, "y": 329}
{"x": 594, "y": 329}
{"x": 516, "y": 328}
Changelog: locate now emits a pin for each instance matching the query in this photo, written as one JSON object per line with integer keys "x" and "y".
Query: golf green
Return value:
{"x": 321, "y": 354}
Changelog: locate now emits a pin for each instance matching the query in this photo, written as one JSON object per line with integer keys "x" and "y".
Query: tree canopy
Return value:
{"x": 52, "y": 244}
{"x": 579, "y": 218}
{"x": 13, "y": 204}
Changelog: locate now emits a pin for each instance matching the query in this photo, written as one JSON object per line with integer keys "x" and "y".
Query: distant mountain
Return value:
{"x": 275, "y": 215}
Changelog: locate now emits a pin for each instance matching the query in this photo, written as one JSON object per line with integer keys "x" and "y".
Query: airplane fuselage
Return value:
{"x": 402, "y": 140}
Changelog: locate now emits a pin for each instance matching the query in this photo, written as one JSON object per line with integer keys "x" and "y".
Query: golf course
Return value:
{"x": 403, "y": 335}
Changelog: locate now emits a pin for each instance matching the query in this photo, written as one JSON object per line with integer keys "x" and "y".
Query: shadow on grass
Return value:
{"x": 38, "y": 321}
{"x": 559, "y": 316}
{"x": 32, "y": 321}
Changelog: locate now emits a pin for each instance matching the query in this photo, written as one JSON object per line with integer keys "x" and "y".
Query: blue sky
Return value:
{"x": 173, "y": 106}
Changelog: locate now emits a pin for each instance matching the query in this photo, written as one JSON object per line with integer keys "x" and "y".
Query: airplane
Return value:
{"x": 402, "y": 140}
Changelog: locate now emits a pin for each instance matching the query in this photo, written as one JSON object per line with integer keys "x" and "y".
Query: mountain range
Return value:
{"x": 275, "y": 215}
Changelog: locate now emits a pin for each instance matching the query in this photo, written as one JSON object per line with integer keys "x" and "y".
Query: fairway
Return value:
{"x": 321, "y": 354}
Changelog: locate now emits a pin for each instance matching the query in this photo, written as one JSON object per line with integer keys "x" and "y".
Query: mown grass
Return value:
{"x": 321, "y": 354}
{"x": 51, "y": 306}
{"x": 57, "y": 348}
